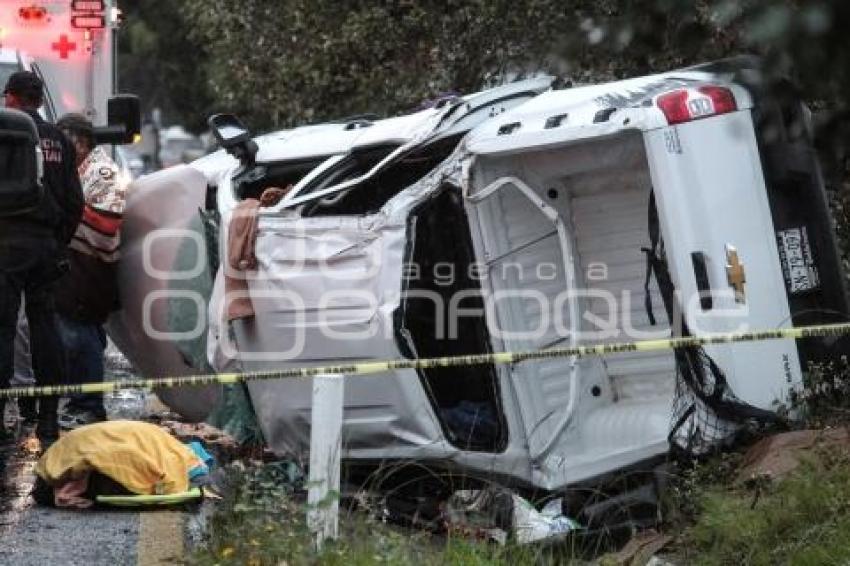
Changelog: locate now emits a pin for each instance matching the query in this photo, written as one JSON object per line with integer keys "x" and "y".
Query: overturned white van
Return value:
{"x": 527, "y": 218}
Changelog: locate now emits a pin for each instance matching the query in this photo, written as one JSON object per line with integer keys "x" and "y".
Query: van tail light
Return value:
{"x": 674, "y": 105}
{"x": 684, "y": 105}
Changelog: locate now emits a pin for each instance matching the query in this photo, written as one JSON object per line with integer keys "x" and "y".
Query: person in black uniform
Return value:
{"x": 32, "y": 251}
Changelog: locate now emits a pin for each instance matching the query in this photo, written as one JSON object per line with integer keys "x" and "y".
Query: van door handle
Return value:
{"x": 703, "y": 285}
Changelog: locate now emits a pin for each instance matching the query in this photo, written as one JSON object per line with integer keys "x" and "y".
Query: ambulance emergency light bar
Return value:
{"x": 88, "y": 21}
{"x": 88, "y": 14}
{"x": 87, "y": 5}
{"x": 33, "y": 14}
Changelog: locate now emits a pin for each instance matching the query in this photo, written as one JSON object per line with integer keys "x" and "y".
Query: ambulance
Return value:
{"x": 12, "y": 61}
{"x": 71, "y": 45}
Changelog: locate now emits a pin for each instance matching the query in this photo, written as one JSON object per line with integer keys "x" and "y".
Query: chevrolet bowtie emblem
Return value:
{"x": 735, "y": 273}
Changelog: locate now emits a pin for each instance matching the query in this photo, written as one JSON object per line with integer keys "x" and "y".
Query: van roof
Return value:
{"x": 568, "y": 115}
{"x": 339, "y": 137}
{"x": 335, "y": 138}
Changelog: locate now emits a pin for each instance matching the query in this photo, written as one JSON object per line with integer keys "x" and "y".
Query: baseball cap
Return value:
{"x": 25, "y": 83}
{"x": 77, "y": 124}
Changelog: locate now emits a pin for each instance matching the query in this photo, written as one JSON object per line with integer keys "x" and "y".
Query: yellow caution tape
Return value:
{"x": 365, "y": 368}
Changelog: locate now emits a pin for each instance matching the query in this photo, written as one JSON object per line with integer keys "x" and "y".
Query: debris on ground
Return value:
{"x": 641, "y": 550}
{"x": 498, "y": 514}
{"x": 261, "y": 520}
{"x": 222, "y": 445}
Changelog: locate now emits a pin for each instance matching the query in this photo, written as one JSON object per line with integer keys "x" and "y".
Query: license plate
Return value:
{"x": 798, "y": 262}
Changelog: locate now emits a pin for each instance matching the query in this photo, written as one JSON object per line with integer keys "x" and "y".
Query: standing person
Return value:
{"x": 89, "y": 291}
{"x": 32, "y": 257}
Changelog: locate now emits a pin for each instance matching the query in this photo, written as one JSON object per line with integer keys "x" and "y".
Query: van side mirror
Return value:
{"x": 233, "y": 137}
{"x": 124, "y": 120}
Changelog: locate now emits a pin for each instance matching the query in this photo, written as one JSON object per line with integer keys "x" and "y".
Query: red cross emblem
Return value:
{"x": 63, "y": 46}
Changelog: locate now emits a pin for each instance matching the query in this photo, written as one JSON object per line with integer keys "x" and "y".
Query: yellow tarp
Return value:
{"x": 140, "y": 456}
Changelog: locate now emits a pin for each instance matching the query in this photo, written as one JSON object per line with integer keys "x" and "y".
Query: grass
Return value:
{"x": 262, "y": 521}
{"x": 825, "y": 400}
{"x": 804, "y": 519}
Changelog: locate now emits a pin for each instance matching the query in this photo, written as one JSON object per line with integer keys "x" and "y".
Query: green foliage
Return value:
{"x": 159, "y": 62}
{"x": 262, "y": 520}
{"x": 235, "y": 415}
{"x": 295, "y": 61}
{"x": 825, "y": 399}
{"x": 689, "y": 479}
{"x": 286, "y": 62}
{"x": 804, "y": 519}
{"x": 840, "y": 206}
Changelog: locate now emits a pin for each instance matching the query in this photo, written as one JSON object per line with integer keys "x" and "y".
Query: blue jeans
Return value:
{"x": 84, "y": 343}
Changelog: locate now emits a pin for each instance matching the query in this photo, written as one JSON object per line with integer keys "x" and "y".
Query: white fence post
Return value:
{"x": 325, "y": 449}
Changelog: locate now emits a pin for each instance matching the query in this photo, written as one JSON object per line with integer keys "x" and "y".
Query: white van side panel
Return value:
{"x": 711, "y": 195}
{"x": 321, "y": 293}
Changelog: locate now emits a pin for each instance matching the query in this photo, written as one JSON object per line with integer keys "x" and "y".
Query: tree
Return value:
{"x": 159, "y": 62}
{"x": 801, "y": 40}
{"x": 284, "y": 62}
{"x": 293, "y": 61}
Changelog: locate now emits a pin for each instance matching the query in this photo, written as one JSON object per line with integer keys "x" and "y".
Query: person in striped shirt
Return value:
{"x": 88, "y": 293}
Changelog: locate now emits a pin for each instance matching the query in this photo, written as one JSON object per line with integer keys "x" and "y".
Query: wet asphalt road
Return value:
{"x": 54, "y": 537}
{"x": 35, "y": 535}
